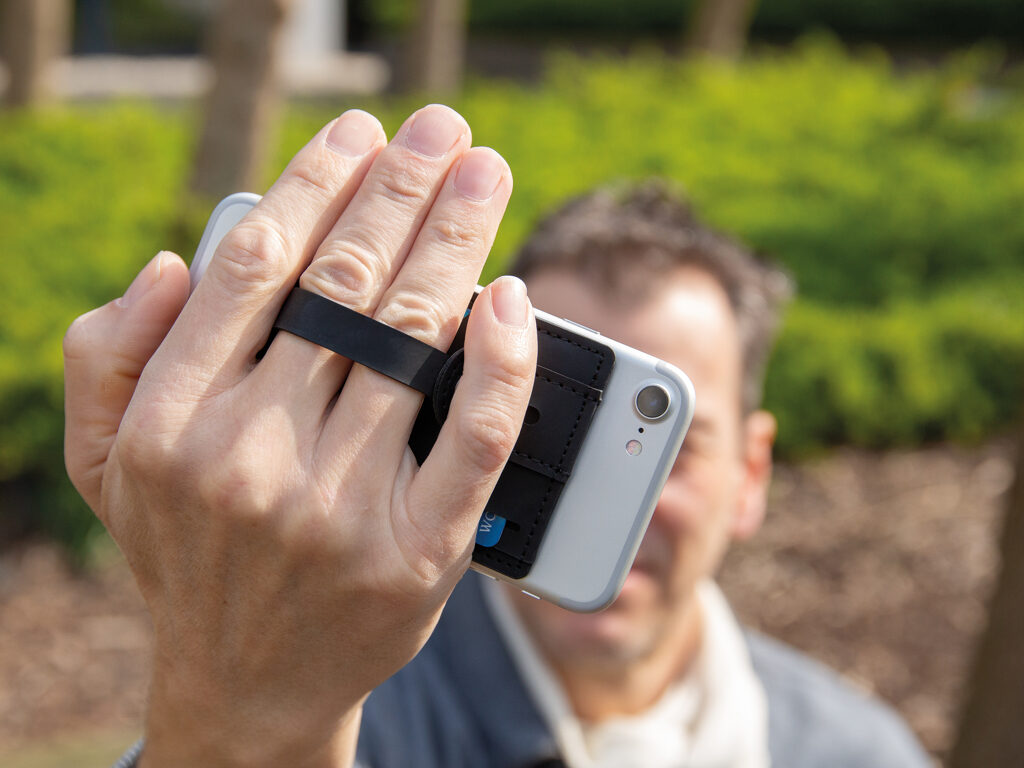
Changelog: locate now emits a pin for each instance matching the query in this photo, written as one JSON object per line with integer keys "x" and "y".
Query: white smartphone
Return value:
{"x": 592, "y": 534}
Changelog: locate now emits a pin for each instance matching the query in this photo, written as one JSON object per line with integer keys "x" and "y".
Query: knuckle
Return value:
{"x": 307, "y": 536}
{"x": 254, "y": 252}
{"x": 456, "y": 235}
{"x": 238, "y": 487}
{"x": 317, "y": 179}
{"x": 511, "y": 376}
{"x": 95, "y": 351}
{"x": 350, "y": 271}
{"x": 141, "y": 451}
{"x": 416, "y": 313}
{"x": 407, "y": 186}
{"x": 488, "y": 436}
{"x": 78, "y": 339}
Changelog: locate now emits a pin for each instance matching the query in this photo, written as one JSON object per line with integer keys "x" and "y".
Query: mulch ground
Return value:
{"x": 879, "y": 564}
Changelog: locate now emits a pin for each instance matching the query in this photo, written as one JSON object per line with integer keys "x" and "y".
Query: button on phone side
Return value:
{"x": 580, "y": 325}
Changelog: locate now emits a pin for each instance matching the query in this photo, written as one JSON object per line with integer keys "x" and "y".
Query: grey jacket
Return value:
{"x": 460, "y": 704}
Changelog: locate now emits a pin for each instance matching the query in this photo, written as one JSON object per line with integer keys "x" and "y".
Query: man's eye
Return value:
{"x": 690, "y": 446}
{"x": 694, "y": 447}
{"x": 686, "y": 454}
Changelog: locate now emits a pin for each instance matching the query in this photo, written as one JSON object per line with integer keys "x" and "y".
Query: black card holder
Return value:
{"x": 572, "y": 371}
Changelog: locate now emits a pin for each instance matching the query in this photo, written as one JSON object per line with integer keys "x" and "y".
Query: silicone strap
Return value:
{"x": 361, "y": 339}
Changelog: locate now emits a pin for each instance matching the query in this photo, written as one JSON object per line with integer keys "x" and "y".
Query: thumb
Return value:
{"x": 105, "y": 351}
{"x": 456, "y": 479}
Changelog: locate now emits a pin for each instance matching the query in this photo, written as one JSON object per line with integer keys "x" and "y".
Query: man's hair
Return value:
{"x": 625, "y": 239}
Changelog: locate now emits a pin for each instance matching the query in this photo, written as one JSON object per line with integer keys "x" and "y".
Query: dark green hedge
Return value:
{"x": 940, "y": 21}
{"x": 147, "y": 26}
{"x": 896, "y": 200}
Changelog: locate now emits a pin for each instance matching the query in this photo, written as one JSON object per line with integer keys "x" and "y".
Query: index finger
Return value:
{"x": 228, "y": 318}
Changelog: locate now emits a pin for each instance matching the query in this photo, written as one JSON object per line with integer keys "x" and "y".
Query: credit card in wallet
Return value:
{"x": 489, "y": 531}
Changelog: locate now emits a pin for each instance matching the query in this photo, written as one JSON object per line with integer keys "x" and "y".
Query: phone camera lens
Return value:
{"x": 652, "y": 401}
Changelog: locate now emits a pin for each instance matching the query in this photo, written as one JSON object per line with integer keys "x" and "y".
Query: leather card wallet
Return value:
{"x": 572, "y": 371}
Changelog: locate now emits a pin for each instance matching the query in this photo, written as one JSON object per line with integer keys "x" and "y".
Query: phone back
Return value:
{"x": 608, "y": 500}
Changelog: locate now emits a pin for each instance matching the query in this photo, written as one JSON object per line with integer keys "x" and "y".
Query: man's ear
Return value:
{"x": 759, "y": 432}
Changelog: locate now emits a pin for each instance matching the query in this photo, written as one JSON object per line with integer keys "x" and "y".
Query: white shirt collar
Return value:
{"x": 715, "y": 716}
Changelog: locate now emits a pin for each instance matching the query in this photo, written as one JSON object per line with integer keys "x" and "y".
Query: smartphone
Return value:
{"x": 577, "y": 552}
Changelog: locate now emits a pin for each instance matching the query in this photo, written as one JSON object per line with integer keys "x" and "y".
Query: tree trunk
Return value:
{"x": 242, "y": 106}
{"x": 992, "y": 722}
{"x": 33, "y": 35}
{"x": 719, "y": 27}
{"x": 438, "y": 46}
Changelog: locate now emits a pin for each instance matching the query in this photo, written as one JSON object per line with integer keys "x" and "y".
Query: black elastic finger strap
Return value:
{"x": 361, "y": 339}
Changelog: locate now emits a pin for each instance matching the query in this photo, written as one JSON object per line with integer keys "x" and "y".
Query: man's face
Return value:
{"x": 713, "y": 488}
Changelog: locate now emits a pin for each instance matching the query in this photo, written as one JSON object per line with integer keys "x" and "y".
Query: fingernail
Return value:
{"x": 434, "y": 131}
{"x": 146, "y": 279}
{"x": 508, "y": 297}
{"x": 354, "y": 133}
{"x": 479, "y": 174}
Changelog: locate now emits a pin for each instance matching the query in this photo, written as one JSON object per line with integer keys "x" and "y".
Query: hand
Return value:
{"x": 291, "y": 552}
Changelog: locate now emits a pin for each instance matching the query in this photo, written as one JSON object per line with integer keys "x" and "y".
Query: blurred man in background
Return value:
{"x": 665, "y": 676}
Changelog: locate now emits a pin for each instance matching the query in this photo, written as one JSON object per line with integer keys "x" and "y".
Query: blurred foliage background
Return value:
{"x": 893, "y": 197}
{"x": 892, "y": 192}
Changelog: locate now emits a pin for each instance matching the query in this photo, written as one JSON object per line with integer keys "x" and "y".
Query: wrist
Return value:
{"x": 189, "y": 726}
{"x": 339, "y": 752}
{"x": 166, "y": 749}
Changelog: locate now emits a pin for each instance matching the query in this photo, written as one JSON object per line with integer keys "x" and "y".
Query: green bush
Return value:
{"x": 919, "y": 371}
{"x": 867, "y": 185}
{"x": 86, "y": 198}
{"x": 895, "y": 199}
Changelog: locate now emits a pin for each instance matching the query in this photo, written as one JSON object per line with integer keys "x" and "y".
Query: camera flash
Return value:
{"x": 634, "y": 447}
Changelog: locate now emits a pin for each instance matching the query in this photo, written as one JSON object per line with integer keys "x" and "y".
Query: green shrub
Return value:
{"x": 869, "y": 186}
{"x": 86, "y": 198}
{"x": 894, "y": 199}
{"x": 947, "y": 367}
